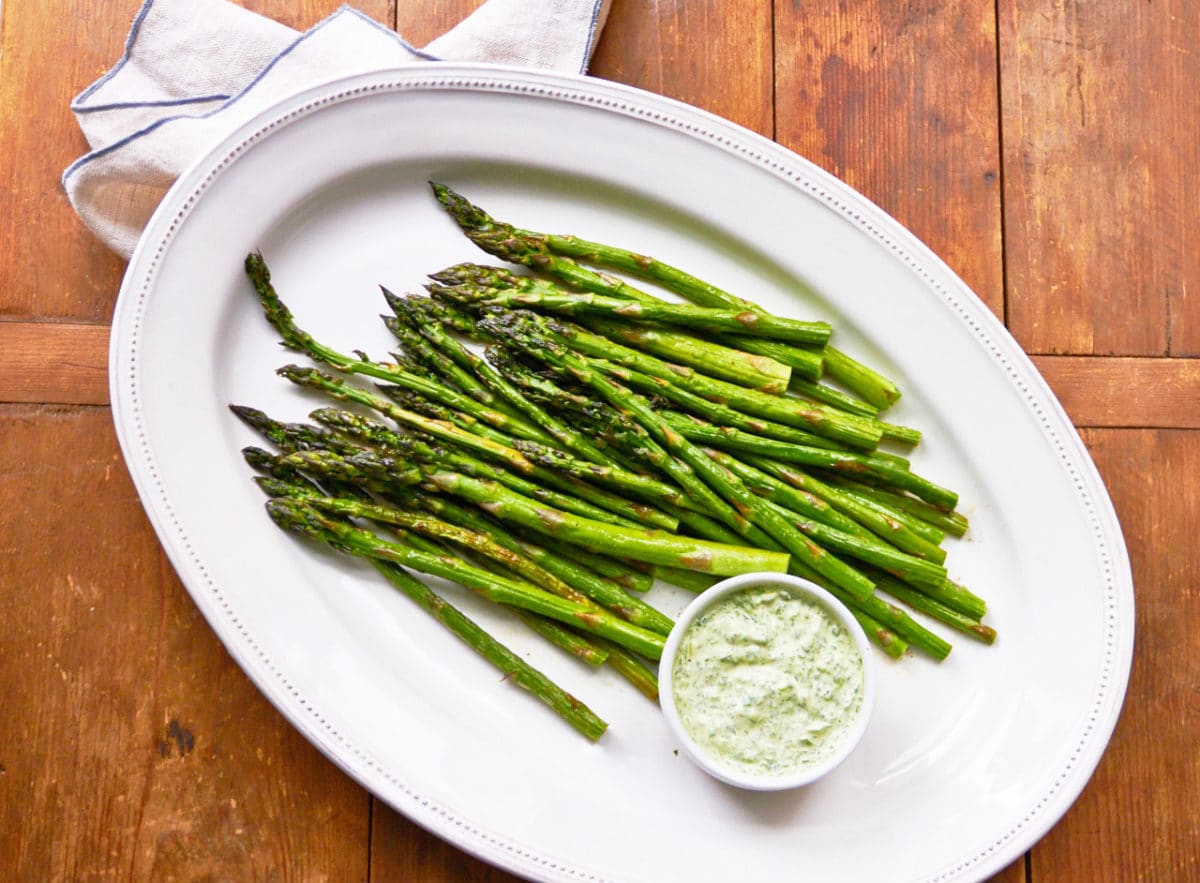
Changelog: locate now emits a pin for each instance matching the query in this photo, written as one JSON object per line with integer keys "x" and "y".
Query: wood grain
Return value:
{"x": 712, "y": 54}
{"x": 1100, "y": 192}
{"x": 899, "y": 101}
{"x": 131, "y": 745}
{"x": 1136, "y": 819}
{"x": 1131, "y": 392}
{"x": 51, "y": 265}
{"x": 54, "y": 363}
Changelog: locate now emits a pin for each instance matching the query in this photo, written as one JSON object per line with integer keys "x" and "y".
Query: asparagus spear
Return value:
{"x": 870, "y": 515}
{"x": 953, "y": 523}
{"x": 655, "y": 547}
{"x": 844, "y": 462}
{"x": 620, "y": 659}
{"x": 632, "y": 609}
{"x": 294, "y": 436}
{"x": 432, "y": 330}
{"x": 966, "y": 623}
{"x": 512, "y": 666}
{"x": 295, "y": 515}
{"x": 514, "y": 669}
{"x": 850, "y": 429}
{"x": 866, "y": 382}
{"x": 880, "y": 634}
{"x": 828, "y": 395}
{"x": 619, "y": 572}
{"x": 631, "y": 483}
{"x": 297, "y": 339}
{"x": 631, "y": 669}
{"x": 439, "y": 364}
{"x": 805, "y": 362}
{"x": 555, "y": 255}
{"x": 601, "y": 590}
{"x": 755, "y": 510}
{"x": 685, "y": 579}
{"x": 726, "y": 363}
{"x": 888, "y": 615}
{"x": 713, "y": 321}
{"x": 587, "y": 651}
{"x": 712, "y": 410}
{"x": 472, "y": 441}
{"x": 735, "y": 365}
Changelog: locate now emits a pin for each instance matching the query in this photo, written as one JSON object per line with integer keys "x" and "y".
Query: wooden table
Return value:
{"x": 1046, "y": 149}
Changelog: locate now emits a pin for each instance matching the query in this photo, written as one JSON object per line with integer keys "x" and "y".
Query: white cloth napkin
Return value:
{"x": 194, "y": 70}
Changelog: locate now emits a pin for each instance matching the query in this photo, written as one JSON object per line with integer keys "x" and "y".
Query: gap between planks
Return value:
{"x": 62, "y": 363}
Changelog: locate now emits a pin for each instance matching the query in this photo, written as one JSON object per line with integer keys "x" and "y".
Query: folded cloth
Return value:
{"x": 194, "y": 70}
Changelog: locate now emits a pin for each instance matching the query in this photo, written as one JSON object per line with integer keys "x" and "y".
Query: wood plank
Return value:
{"x": 702, "y": 52}
{"x": 899, "y": 101}
{"x": 1136, "y": 819}
{"x": 51, "y": 265}
{"x": 1131, "y": 392}
{"x": 1099, "y": 176}
{"x": 131, "y": 745}
{"x": 54, "y": 363}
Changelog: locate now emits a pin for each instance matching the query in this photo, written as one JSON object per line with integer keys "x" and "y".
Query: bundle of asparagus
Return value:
{"x": 596, "y": 446}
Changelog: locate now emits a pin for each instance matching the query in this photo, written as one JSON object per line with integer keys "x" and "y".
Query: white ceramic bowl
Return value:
{"x": 713, "y": 765}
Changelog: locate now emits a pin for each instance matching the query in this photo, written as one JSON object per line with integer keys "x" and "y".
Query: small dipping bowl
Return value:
{"x": 821, "y": 610}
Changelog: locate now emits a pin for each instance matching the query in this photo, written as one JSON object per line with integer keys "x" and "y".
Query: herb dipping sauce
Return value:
{"x": 767, "y": 681}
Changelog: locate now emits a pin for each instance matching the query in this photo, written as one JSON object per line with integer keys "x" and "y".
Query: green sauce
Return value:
{"x": 767, "y": 681}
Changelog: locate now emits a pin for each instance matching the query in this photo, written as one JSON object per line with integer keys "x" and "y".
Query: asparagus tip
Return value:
{"x": 257, "y": 458}
{"x": 391, "y": 298}
{"x": 250, "y": 415}
{"x": 256, "y": 266}
{"x": 464, "y": 213}
{"x": 274, "y": 487}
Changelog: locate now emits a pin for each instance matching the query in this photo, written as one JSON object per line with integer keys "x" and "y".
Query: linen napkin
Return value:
{"x": 194, "y": 70}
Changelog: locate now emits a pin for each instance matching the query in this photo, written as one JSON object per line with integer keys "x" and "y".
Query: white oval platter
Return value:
{"x": 967, "y": 763}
